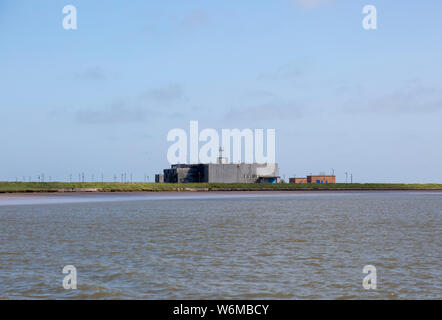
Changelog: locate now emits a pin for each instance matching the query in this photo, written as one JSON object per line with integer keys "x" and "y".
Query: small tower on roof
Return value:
{"x": 221, "y": 159}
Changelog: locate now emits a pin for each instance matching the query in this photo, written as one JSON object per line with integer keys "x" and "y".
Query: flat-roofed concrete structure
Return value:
{"x": 222, "y": 173}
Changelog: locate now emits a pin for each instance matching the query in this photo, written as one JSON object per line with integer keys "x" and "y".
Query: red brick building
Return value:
{"x": 321, "y": 179}
{"x": 298, "y": 180}
{"x": 314, "y": 179}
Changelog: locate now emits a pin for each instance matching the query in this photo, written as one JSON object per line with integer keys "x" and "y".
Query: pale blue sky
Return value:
{"x": 102, "y": 98}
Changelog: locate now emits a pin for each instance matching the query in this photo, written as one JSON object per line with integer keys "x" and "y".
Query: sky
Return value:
{"x": 101, "y": 99}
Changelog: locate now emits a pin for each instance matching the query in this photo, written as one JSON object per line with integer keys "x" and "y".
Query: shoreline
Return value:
{"x": 90, "y": 187}
{"x": 44, "y": 198}
{"x": 187, "y": 192}
{"x": 52, "y": 192}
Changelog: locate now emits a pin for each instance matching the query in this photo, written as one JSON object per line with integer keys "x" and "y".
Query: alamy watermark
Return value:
{"x": 217, "y": 147}
{"x": 70, "y": 281}
{"x": 370, "y": 280}
{"x": 70, "y": 20}
{"x": 370, "y": 21}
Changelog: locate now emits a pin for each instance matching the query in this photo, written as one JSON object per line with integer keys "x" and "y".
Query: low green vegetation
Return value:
{"x": 11, "y": 187}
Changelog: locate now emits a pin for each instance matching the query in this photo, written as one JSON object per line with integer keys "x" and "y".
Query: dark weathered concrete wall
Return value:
{"x": 240, "y": 173}
{"x": 222, "y": 173}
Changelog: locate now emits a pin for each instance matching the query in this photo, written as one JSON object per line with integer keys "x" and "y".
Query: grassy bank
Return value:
{"x": 14, "y": 187}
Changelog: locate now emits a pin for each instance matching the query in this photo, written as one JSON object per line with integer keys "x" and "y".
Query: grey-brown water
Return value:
{"x": 213, "y": 246}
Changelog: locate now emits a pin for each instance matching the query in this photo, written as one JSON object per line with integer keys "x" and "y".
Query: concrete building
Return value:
{"x": 222, "y": 172}
{"x": 315, "y": 179}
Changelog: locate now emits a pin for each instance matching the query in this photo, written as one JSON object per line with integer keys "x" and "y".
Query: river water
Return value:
{"x": 221, "y": 245}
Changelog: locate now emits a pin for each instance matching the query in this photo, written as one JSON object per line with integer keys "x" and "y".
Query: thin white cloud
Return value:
{"x": 167, "y": 94}
{"x": 309, "y": 4}
{"x": 93, "y": 73}
{"x": 275, "y": 110}
{"x": 415, "y": 99}
{"x": 195, "y": 18}
{"x": 115, "y": 113}
{"x": 284, "y": 72}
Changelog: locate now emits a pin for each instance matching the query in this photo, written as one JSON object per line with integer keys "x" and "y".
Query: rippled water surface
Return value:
{"x": 229, "y": 245}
